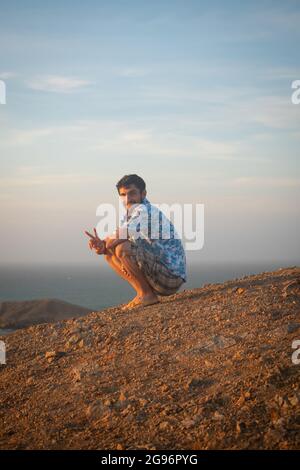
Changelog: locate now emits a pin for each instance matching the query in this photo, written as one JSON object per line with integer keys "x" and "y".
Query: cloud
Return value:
{"x": 132, "y": 72}
{"x": 116, "y": 138}
{"x": 28, "y": 137}
{"x": 7, "y": 75}
{"x": 29, "y": 176}
{"x": 270, "y": 182}
{"x": 57, "y": 84}
{"x": 274, "y": 111}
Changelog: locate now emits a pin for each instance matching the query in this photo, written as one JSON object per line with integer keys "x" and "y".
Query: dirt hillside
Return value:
{"x": 209, "y": 368}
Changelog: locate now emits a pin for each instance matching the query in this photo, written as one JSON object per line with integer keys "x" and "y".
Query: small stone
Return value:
{"x": 77, "y": 375}
{"x": 163, "y": 425}
{"x": 279, "y": 423}
{"x": 188, "y": 423}
{"x": 240, "y": 290}
{"x": 143, "y": 402}
{"x": 122, "y": 397}
{"x": 293, "y": 327}
{"x": 49, "y": 354}
{"x": 96, "y": 410}
{"x": 294, "y": 400}
{"x": 74, "y": 339}
{"x": 240, "y": 427}
{"x": 208, "y": 363}
{"x": 240, "y": 401}
{"x": 218, "y": 416}
{"x": 279, "y": 400}
{"x": 120, "y": 447}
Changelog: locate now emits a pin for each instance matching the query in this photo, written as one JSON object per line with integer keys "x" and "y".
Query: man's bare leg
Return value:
{"x": 115, "y": 264}
{"x": 144, "y": 290}
{"x": 123, "y": 259}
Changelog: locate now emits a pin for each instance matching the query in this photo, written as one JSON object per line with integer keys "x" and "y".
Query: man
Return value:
{"x": 154, "y": 264}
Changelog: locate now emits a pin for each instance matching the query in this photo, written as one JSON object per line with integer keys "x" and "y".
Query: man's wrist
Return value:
{"x": 105, "y": 251}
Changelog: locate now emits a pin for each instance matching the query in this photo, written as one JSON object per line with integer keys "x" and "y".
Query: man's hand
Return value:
{"x": 95, "y": 243}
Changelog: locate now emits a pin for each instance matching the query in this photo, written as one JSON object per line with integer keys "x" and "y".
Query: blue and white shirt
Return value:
{"x": 147, "y": 225}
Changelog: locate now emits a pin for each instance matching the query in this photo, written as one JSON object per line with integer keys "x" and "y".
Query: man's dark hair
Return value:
{"x": 127, "y": 180}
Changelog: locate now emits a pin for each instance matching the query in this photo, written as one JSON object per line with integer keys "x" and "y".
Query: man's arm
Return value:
{"x": 111, "y": 241}
{"x": 139, "y": 216}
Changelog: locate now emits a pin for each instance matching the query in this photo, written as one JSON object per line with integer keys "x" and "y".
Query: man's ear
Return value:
{"x": 144, "y": 194}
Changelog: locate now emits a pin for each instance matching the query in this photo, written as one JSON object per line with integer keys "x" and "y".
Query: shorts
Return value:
{"x": 157, "y": 274}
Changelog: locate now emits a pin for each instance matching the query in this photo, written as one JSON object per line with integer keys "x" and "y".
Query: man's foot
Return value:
{"x": 141, "y": 301}
{"x": 149, "y": 300}
{"x": 132, "y": 303}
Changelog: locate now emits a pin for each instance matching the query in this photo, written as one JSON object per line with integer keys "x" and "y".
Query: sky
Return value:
{"x": 193, "y": 96}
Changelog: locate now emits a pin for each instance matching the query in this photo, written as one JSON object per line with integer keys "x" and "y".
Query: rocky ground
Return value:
{"x": 209, "y": 368}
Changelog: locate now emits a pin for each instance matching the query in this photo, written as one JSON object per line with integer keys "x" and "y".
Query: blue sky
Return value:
{"x": 194, "y": 96}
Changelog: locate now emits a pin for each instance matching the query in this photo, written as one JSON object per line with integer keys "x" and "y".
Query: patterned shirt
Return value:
{"x": 147, "y": 225}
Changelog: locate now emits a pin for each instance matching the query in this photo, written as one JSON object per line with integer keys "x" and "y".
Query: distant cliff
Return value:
{"x": 24, "y": 313}
{"x": 209, "y": 368}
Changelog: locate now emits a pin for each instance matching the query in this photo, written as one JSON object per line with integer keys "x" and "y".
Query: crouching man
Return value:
{"x": 154, "y": 264}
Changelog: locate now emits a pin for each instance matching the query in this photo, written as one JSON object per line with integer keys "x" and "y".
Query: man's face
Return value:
{"x": 131, "y": 195}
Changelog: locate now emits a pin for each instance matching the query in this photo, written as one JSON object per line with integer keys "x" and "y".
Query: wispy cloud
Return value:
{"x": 57, "y": 84}
{"x": 28, "y": 137}
{"x": 132, "y": 72}
{"x": 270, "y": 182}
{"x": 117, "y": 138}
{"x": 29, "y": 176}
{"x": 7, "y": 75}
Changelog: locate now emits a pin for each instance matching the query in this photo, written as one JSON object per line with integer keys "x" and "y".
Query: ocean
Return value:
{"x": 98, "y": 287}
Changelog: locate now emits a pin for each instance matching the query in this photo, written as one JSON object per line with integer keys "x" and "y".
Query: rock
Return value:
{"x": 49, "y": 354}
{"x": 240, "y": 427}
{"x": 294, "y": 400}
{"x": 97, "y": 410}
{"x": 198, "y": 382}
{"x": 52, "y": 355}
{"x": 240, "y": 290}
{"x": 73, "y": 341}
{"x": 292, "y": 327}
{"x": 188, "y": 423}
{"x": 108, "y": 403}
{"x": 143, "y": 402}
{"x": 122, "y": 397}
{"x": 218, "y": 416}
{"x": 164, "y": 425}
{"x": 77, "y": 374}
{"x": 240, "y": 401}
